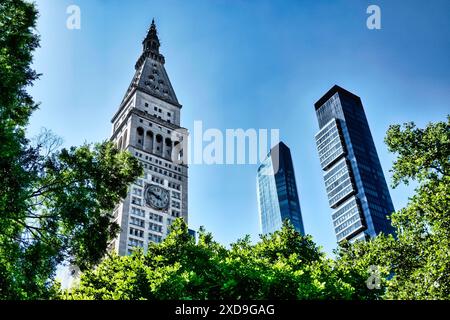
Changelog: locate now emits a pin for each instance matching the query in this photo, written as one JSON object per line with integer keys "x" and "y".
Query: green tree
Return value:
{"x": 54, "y": 204}
{"x": 415, "y": 264}
{"x": 283, "y": 265}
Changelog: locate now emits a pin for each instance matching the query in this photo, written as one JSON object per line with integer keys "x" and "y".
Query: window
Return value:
{"x": 146, "y": 104}
{"x": 138, "y": 212}
{"x": 174, "y": 186}
{"x": 137, "y": 191}
{"x": 136, "y": 201}
{"x": 135, "y": 243}
{"x": 154, "y": 237}
{"x": 176, "y": 195}
{"x": 137, "y": 222}
{"x": 176, "y": 204}
{"x": 136, "y": 232}
{"x": 168, "y": 114}
{"x": 155, "y": 217}
{"x": 175, "y": 214}
{"x": 155, "y": 227}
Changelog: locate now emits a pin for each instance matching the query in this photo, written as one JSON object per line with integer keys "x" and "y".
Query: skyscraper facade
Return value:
{"x": 354, "y": 180}
{"x": 277, "y": 191}
{"x": 147, "y": 124}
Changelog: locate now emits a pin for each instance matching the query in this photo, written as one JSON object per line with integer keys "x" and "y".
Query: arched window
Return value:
{"x": 140, "y": 137}
{"x": 178, "y": 151}
{"x": 168, "y": 149}
{"x": 149, "y": 141}
{"x": 159, "y": 145}
{"x": 124, "y": 142}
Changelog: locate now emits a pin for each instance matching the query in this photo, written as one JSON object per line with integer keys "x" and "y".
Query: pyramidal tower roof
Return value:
{"x": 151, "y": 76}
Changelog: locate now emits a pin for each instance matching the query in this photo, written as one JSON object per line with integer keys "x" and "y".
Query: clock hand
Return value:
{"x": 159, "y": 198}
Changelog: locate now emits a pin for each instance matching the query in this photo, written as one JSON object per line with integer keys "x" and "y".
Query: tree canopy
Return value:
{"x": 282, "y": 265}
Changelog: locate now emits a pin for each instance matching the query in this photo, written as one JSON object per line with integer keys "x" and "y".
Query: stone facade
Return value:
{"x": 147, "y": 124}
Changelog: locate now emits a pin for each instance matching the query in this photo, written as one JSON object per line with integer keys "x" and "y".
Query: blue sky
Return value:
{"x": 248, "y": 64}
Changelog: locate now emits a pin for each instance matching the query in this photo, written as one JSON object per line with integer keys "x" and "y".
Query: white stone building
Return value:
{"x": 147, "y": 124}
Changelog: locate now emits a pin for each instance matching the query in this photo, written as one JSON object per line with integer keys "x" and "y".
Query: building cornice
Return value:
{"x": 146, "y": 116}
{"x": 133, "y": 90}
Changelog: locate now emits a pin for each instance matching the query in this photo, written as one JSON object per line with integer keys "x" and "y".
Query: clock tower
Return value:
{"x": 147, "y": 124}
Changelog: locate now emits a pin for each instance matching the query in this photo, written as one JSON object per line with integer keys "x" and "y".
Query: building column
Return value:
{"x": 153, "y": 143}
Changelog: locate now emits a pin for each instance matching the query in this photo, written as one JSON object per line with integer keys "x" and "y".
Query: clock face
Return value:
{"x": 157, "y": 197}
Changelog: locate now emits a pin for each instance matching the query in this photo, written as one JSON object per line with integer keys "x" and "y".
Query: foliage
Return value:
{"x": 283, "y": 265}
{"x": 54, "y": 205}
{"x": 415, "y": 265}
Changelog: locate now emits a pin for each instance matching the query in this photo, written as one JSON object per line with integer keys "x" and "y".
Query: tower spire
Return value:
{"x": 151, "y": 41}
{"x": 150, "y": 46}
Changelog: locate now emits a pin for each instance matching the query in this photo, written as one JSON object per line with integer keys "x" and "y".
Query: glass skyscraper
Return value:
{"x": 354, "y": 181}
{"x": 277, "y": 191}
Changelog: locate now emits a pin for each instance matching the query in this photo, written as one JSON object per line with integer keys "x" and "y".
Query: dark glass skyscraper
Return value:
{"x": 354, "y": 181}
{"x": 277, "y": 191}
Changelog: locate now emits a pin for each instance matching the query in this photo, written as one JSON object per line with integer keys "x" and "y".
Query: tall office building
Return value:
{"x": 277, "y": 191}
{"x": 354, "y": 181}
{"x": 147, "y": 124}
